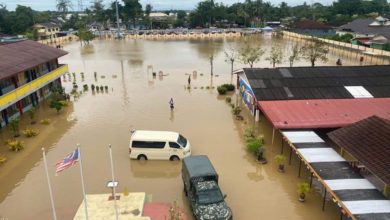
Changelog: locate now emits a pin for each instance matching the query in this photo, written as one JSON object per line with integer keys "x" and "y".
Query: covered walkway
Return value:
{"x": 357, "y": 197}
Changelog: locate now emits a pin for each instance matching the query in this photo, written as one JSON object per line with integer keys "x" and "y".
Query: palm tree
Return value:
{"x": 64, "y": 6}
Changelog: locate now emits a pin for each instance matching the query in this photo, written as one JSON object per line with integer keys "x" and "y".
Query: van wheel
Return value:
{"x": 142, "y": 157}
{"x": 174, "y": 158}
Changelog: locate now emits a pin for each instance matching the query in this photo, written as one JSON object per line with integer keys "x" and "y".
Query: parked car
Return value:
{"x": 158, "y": 145}
{"x": 201, "y": 187}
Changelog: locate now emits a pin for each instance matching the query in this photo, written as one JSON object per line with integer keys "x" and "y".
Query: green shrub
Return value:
{"x": 93, "y": 87}
{"x": 229, "y": 87}
{"x": 85, "y": 86}
{"x": 228, "y": 99}
{"x": 253, "y": 145}
{"x": 2, "y": 159}
{"x": 221, "y": 90}
{"x": 30, "y": 133}
{"x": 14, "y": 145}
{"x": 236, "y": 110}
{"x": 45, "y": 121}
{"x": 101, "y": 88}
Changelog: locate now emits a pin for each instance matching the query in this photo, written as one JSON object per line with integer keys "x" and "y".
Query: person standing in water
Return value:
{"x": 171, "y": 104}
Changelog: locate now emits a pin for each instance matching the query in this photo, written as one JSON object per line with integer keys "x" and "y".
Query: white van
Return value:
{"x": 158, "y": 145}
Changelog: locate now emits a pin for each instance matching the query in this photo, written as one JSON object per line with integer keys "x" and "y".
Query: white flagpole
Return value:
{"x": 82, "y": 182}
{"x": 48, "y": 182}
{"x": 113, "y": 180}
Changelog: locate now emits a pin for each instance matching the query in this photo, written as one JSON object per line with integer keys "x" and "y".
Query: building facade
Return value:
{"x": 27, "y": 72}
{"x": 46, "y": 30}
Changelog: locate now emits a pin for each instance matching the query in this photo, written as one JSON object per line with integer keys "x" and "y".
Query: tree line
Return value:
{"x": 250, "y": 13}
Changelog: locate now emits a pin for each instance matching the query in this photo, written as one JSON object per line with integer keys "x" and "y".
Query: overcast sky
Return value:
{"x": 157, "y": 4}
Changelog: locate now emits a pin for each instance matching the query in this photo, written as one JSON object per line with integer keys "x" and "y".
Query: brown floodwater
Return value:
{"x": 136, "y": 100}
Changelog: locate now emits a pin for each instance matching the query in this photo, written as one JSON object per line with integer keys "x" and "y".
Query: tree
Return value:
{"x": 275, "y": 56}
{"x": 230, "y": 57}
{"x": 31, "y": 114}
{"x": 63, "y": 6}
{"x": 250, "y": 55}
{"x": 85, "y": 35}
{"x": 57, "y": 105}
{"x": 148, "y": 9}
{"x": 98, "y": 10}
{"x": 14, "y": 124}
{"x": 294, "y": 54}
{"x": 314, "y": 50}
{"x": 132, "y": 11}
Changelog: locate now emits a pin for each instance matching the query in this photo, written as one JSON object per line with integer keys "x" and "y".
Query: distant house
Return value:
{"x": 370, "y": 32}
{"x": 47, "y": 30}
{"x": 95, "y": 26}
{"x": 312, "y": 28}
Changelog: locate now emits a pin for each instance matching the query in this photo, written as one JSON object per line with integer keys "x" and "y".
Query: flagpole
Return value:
{"x": 113, "y": 180}
{"x": 82, "y": 182}
{"x": 48, "y": 182}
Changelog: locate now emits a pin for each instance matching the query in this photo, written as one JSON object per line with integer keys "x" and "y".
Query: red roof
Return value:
{"x": 160, "y": 211}
{"x": 22, "y": 55}
{"x": 323, "y": 113}
{"x": 310, "y": 24}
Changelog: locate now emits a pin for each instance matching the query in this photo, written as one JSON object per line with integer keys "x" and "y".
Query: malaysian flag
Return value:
{"x": 68, "y": 161}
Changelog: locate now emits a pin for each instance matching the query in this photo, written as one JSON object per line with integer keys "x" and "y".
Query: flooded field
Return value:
{"x": 136, "y": 100}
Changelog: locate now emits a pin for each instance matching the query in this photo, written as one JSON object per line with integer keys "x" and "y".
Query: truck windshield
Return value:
{"x": 182, "y": 141}
{"x": 209, "y": 196}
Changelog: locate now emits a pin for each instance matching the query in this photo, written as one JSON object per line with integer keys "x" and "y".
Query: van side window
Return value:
{"x": 174, "y": 145}
{"x": 148, "y": 144}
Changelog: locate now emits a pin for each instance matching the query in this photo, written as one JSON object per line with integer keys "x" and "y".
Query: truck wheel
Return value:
{"x": 174, "y": 158}
{"x": 142, "y": 157}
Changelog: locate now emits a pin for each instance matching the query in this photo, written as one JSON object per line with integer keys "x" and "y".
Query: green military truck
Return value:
{"x": 201, "y": 187}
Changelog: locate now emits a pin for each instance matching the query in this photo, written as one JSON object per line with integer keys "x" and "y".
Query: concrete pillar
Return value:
{"x": 257, "y": 115}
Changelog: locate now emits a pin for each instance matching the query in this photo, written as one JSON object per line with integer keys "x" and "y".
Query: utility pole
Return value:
{"x": 81, "y": 6}
{"x": 117, "y": 19}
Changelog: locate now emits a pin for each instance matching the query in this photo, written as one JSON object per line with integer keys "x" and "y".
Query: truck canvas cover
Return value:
{"x": 199, "y": 166}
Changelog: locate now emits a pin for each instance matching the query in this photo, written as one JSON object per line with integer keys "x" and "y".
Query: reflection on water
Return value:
{"x": 155, "y": 169}
{"x": 137, "y": 100}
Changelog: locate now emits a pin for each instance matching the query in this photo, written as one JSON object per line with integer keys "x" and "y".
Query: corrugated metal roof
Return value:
{"x": 296, "y": 83}
{"x": 22, "y": 55}
{"x": 368, "y": 141}
{"x": 325, "y": 113}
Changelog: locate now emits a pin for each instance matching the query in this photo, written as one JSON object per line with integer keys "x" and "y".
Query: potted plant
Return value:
{"x": 303, "y": 188}
{"x": 280, "y": 159}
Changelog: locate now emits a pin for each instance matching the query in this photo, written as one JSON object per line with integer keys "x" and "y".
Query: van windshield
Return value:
{"x": 182, "y": 141}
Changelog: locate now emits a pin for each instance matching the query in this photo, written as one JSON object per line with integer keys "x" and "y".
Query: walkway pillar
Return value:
{"x": 300, "y": 166}
{"x": 323, "y": 201}
{"x": 273, "y": 136}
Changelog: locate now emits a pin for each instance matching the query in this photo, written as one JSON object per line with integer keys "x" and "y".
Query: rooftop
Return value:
{"x": 327, "y": 113}
{"x": 22, "y": 55}
{"x": 366, "y": 26}
{"x": 326, "y": 82}
{"x": 310, "y": 24}
{"x": 368, "y": 141}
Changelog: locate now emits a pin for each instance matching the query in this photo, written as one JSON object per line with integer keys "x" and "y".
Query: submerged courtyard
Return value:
{"x": 135, "y": 99}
